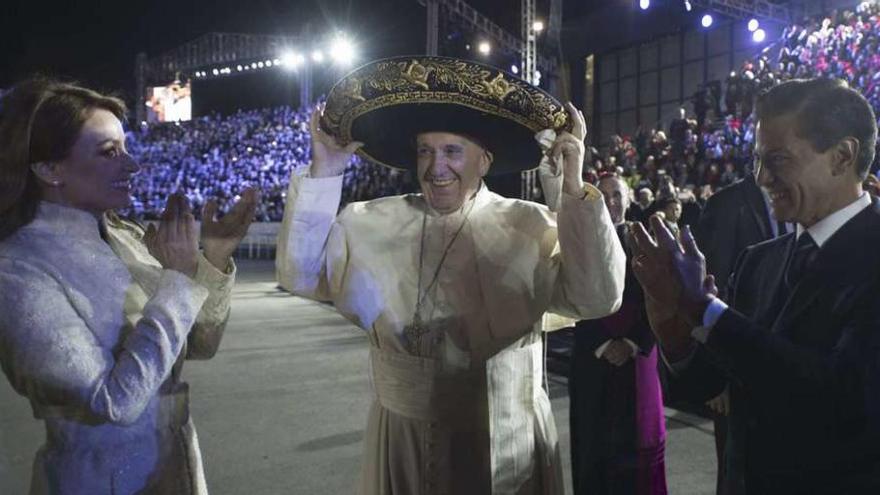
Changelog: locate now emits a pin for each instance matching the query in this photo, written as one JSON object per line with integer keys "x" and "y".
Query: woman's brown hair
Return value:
{"x": 40, "y": 120}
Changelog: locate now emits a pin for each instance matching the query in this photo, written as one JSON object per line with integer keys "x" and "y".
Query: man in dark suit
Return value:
{"x": 616, "y": 418}
{"x": 800, "y": 341}
{"x": 734, "y": 218}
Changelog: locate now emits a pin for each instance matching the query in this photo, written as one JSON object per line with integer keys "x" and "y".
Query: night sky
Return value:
{"x": 95, "y": 42}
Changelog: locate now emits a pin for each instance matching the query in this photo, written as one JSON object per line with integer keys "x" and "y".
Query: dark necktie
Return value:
{"x": 781, "y": 229}
{"x": 804, "y": 253}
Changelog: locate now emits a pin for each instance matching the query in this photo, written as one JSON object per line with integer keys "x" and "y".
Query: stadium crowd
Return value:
{"x": 219, "y": 155}
{"x": 712, "y": 148}
{"x": 699, "y": 153}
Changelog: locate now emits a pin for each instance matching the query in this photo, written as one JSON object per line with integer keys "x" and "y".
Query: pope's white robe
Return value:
{"x": 462, "y": 409}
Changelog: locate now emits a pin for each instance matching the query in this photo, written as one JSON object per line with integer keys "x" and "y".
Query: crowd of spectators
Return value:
{"x": 712, "y": 148}
{"x": 217, "y": 156}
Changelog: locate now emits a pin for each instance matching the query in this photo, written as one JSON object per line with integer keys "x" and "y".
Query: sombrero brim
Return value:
{"x": 386, "y": 104}
{"x": 513, "y": 145}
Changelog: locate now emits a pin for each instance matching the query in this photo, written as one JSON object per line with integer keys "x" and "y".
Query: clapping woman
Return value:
{"x": 97, "y": 315}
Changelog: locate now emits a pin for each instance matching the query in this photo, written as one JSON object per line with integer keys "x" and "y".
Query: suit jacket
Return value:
{"x": 734, "y": 218}
{"x": 804, "y": 366}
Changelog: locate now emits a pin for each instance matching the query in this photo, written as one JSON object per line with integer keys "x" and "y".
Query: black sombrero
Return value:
{"x": 386, "y": 103}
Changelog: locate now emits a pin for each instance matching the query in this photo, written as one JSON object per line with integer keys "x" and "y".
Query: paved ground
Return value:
{"x": 281, "y": 409}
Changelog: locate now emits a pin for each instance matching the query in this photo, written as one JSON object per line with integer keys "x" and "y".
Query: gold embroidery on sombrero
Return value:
{"x": 438, "y": 80}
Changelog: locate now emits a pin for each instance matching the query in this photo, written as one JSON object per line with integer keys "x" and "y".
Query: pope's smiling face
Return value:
{"x": 450, "y": 168}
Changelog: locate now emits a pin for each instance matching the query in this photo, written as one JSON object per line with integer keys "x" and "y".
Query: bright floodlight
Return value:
{"x": 514, "y": 69}
{"x": 687, "y": 5}
{"x": 759, "y": 36}
{"x": 291, "y": 60}
{"x": 644, "y": 4}
{"x": 538, "y": 26}
{"x": 317, "y": 56}
{"x": 342, "y": 51}
{"x": 260, "y": 64}
{"x": 484, "y": 47}
{"x": 753, "y": 25}
{"x": 216, "y": 72}
{"x": 707, "y": 20}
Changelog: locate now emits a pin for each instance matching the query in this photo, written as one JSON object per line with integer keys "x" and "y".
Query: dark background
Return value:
{"x": 95, "y": 42}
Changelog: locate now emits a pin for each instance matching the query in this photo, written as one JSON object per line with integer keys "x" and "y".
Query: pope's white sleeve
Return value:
{"x": 592, "y": 262}
{"x": 309, "y": 214}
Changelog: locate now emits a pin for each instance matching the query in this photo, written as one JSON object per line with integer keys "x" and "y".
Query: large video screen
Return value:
{"x": 172, "y": 103}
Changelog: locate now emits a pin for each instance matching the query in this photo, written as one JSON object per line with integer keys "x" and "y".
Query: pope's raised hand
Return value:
{"x": 570, "y": 146}
{"x": 221, "y": 237}
{"x": 329, "y": 158}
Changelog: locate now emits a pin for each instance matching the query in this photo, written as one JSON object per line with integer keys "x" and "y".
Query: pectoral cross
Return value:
{"x": 414, "y": 332}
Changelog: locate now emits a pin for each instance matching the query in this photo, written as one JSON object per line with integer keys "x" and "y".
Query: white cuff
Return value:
{"x": 601, "y": 349}
{"x": 713, "y": 313}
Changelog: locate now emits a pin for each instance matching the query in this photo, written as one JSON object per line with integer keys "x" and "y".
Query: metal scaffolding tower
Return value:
{"x": 432, "y": 43}
{"x": 474, "y": 20}
{"x": 529, "y": 40}
{"x": 529, "y": 73}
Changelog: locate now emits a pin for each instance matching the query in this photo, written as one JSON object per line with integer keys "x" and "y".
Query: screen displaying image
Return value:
{"x": 172, "y": 103}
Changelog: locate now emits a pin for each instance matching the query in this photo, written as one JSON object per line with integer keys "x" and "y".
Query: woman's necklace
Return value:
{"x": 415, "y": 331}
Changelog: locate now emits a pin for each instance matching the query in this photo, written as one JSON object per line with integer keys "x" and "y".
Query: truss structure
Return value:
{"x": 474, "y": 20}
{"x": 210, "y": 49}
{"x": 529, "y": 73}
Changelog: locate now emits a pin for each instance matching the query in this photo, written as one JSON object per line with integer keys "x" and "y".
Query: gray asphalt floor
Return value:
{"x": 282, "y": 407}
